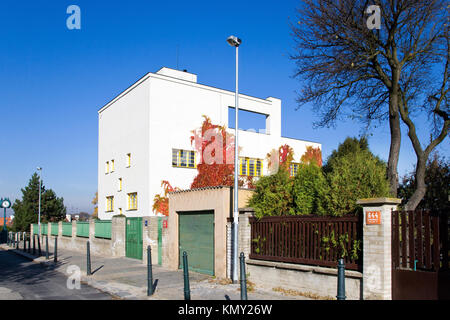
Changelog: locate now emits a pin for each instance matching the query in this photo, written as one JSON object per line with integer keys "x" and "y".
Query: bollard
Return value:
{"x": 46, "y": 247}
{"x": 24, "y": 243}
{"x": 7, "y": 240}
{"x": 55, "y": 256}
{"x": 243, "y": 278}
{"x": 88, "y": 259}
{"x": 187, "y": 291}
{"x": 39, "y": 245}
{"x": 149, "y": 272}
{"x": 29, "y": 243}
{"x": 341, "y": 280}
{"x": 18, "y": 240}
{"x": 34, "y": 244}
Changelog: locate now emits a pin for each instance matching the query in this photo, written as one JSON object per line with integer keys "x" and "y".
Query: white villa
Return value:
{"x": 144, "y": 138}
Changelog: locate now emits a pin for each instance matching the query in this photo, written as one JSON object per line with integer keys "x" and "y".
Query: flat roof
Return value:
{"x": 165, "y": 77}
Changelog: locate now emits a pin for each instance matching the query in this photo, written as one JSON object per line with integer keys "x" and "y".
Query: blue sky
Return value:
{"x": 53, "y": 80}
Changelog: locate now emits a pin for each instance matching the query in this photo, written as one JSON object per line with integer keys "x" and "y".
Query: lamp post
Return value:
{"x": 235, "y": 42}
{"x": 39, "y": 210}
{"x": 5, "y": 203}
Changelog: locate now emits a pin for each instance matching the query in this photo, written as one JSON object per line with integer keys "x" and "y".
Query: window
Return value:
{"x": 183, "y": 158}
{"x": 109, "y": 204}
{"x": 107, "y": 167}
{"x": 250, "y": 167}
{"x": 112, "y": 165}
{"x": 132, "y": 201}
{"x": 120, "y": 184}
{"x": 128, "y": 160}
{"x": 293, "y": 168}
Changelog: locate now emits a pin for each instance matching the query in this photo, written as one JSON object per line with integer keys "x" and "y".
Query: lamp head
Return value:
{"x": 234, "y": 41}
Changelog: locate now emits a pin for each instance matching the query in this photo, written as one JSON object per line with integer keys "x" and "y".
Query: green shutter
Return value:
{"x": 196, "y": 237}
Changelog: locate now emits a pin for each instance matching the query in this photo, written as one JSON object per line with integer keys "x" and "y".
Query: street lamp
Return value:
{"x": 39, "y": 210}
{"x": 235, "y": 42}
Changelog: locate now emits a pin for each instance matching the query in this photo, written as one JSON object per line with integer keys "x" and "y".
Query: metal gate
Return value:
{"x": 196, "y": 237}
{"x": 133, "y": 244}
{"x": 420, "y": 255}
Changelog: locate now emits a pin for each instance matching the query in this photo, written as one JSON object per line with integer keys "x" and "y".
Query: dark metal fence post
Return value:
{"x": 24, "y": 242}
{"x": 243, "y": 278}
{"x": 46, "y": 246}
{"x": 341, "y": 280}
{"x": 149, "y": 272}
{"x": 88, "y": 259}
{"x": 55, "y": 256}
{"x": 39, "y": 244}
{"x": 187, "y": 291}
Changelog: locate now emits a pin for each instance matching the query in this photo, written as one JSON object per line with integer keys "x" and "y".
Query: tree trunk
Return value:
{"x": 421, "y": 187}
{"x": 394, "y": 151}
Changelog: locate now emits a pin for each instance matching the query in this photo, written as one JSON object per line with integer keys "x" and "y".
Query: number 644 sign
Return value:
{"x": 373, "y": 217}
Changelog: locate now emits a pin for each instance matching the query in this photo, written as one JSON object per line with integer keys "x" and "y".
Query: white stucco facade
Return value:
{"x": 157, "y": 114}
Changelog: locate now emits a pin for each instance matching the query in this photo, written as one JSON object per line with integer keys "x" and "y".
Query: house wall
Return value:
{"x": 124, "y": 128}
{"x": 158, "y": 113}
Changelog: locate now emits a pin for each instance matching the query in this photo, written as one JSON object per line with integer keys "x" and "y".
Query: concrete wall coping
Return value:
{"x": 303, "y": 267}
{"x": 378, "y": 201}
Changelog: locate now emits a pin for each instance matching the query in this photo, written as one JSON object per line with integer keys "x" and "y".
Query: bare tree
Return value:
{"x": 388, "y": 73}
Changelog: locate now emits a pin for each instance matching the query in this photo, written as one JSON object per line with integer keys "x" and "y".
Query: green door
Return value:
{"x": 160, "y": 240}
{"x": 196, "y": 237}
{"x": 133, "y": 245}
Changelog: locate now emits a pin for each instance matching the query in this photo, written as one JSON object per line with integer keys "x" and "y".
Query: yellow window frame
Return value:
{"x": 132, "y": 201}
{"x": 109, "y": 203}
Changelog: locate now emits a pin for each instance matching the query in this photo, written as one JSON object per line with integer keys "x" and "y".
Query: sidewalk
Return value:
{"x": 126, "y": 278}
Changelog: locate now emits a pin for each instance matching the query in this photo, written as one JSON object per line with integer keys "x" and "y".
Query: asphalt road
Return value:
{"x": 21, "y": 279}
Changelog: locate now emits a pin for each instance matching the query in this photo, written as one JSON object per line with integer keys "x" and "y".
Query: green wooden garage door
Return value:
{"x": 196, "y": 237}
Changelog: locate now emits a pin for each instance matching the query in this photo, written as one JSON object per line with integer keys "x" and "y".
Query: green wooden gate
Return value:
{"x": 196, "y": 237}
{"x": 133, "y": 245}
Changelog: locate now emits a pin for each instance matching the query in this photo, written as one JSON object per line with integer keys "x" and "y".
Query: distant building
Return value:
{"x": 144, "y": 138}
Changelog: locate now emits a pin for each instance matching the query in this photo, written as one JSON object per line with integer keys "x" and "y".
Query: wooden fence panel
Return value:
{"x": 306, "y": 239}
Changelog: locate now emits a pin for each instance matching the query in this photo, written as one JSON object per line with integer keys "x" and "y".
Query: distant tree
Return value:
{"x": 26, "y": 210}
{"x": 83, "y": 216}
{"x": 437, "y": 180}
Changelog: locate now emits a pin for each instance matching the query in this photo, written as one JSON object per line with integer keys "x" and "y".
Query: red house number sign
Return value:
{"x": 164, "y": 223}
{"x": 373, "y": 217}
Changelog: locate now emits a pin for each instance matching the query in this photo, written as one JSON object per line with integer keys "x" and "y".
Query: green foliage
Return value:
{"x": 310, "y": 190}
{"x": 26, "y": 210}
{"x": 352, "y": 172}
{"x": 273, "y": 195}
{"x": 349, "y": 146}
{"x": 340, "y": 243}
{"x": 352, "y": 175}
{"x": 437, "y": 180}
